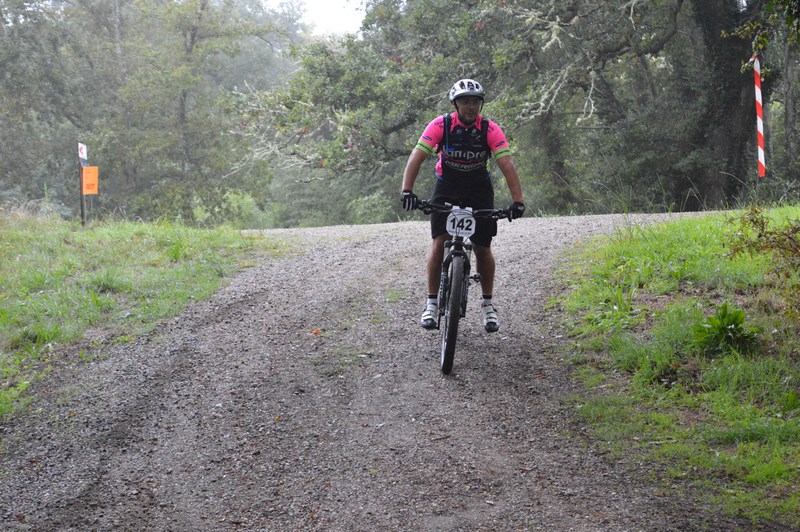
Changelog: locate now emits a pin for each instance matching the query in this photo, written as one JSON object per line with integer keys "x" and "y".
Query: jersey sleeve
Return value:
{"x": 497, "y": 142}
{"x": 432, "y": 136}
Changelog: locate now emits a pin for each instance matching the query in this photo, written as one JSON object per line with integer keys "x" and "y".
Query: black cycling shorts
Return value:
{"x": 480, "y": 196}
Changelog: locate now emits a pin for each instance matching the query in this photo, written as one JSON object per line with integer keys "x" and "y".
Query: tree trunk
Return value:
{"x": 788, "y": 99}
{"x": 551, "y": 140}
{"x": 726, "y": 130}
{"x": 610, "y": 107}
{"x": 116, "y": 23}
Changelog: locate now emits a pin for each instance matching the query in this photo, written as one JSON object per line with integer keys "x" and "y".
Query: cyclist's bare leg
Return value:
{"x": 435, "y": 258}
{"x": 484, "y": 261}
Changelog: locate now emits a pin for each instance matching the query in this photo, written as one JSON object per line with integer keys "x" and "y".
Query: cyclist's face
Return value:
{"x": 468, "y": 108}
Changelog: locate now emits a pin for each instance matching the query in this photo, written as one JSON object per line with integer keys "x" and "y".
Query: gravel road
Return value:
{"x": 304, "y": 396}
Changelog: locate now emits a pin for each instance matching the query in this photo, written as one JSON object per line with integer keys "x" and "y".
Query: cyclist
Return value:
{"x": 463, "y": 179}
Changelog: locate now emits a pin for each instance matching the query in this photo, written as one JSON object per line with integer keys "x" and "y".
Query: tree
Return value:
{"x": 35, "y": 91}
{"x": 143, "y": 84}
{"x": 357, "y": 106}
{"x": 728, "y": 123}
{"x": 197, "y": 107}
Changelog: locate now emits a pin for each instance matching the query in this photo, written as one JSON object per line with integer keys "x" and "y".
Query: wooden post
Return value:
{"x": 83, "y": 197}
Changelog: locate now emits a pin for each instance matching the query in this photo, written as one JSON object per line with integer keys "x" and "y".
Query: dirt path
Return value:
{"x": 305, "y": 396}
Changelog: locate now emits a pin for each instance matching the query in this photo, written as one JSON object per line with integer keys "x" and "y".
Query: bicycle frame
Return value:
{"x": 455, "y": 276}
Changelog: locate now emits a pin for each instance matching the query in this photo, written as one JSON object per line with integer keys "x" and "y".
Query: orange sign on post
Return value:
{"x": 90, "y": 178}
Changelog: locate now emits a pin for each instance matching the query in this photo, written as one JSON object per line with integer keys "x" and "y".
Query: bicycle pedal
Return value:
{"x": 476, "y": 278}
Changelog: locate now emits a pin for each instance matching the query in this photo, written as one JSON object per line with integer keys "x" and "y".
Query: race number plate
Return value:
{"x": 461, "y": 222}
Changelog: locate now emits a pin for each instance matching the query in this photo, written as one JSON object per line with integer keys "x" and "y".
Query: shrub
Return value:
{"x": 724, "y": 332}
{"x": 756, "y": 235}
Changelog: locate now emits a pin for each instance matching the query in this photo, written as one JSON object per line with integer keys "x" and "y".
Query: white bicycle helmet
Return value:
{"x": 466, "y": 87}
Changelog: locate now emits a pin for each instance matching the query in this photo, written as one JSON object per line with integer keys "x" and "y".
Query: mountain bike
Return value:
{"x": 455, "y": 279}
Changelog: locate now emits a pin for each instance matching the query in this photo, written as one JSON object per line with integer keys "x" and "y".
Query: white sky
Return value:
{"x": 330, "y": 16}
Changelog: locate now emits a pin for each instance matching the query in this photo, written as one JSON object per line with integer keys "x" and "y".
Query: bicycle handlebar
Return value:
{"x": 429, "y": 207}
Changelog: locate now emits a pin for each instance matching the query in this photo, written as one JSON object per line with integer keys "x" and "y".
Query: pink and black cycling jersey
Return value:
{"x": 465, "y": 158}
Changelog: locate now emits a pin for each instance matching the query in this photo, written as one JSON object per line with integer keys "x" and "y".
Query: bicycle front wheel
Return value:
{"x": 452, "y": 313}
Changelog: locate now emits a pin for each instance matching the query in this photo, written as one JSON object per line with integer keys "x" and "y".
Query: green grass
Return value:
{"x": 58, "y": 280}
{"x": 699, "y": 351}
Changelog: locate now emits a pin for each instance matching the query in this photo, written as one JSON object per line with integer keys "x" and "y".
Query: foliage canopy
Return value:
{"x": 221, "y": 110}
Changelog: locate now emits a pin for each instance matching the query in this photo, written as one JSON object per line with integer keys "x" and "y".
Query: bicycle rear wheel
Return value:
{"x": 452, "y": 313}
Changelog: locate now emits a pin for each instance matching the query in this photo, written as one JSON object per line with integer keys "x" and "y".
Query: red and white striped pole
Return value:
{"x": 762, "y": 166}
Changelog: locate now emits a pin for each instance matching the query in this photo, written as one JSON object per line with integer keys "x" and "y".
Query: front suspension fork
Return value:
{"x": 445, "y": 276}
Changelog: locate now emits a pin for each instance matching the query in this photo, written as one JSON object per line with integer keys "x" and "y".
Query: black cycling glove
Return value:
{"x": 409, "y": 199}
{"x": 516, "y": 210}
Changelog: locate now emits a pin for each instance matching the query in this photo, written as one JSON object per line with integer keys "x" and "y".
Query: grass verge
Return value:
{"x": 691, "y": 356}
{"x": 59, "y": 280}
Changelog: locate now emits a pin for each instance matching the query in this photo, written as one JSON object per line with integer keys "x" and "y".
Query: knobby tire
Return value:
{"x": 452, "y": 313}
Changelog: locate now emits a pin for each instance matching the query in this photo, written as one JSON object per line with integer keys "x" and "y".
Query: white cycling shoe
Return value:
{"x": 490, "y": 322}
{"x": 428, "y": 320}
